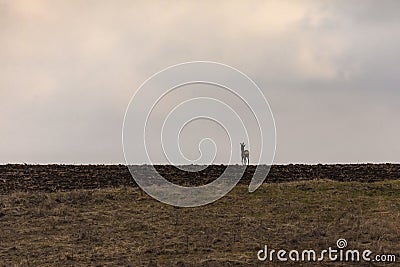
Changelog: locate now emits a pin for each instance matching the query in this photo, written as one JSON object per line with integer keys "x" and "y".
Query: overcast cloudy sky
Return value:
{"x": 330, "y": 70}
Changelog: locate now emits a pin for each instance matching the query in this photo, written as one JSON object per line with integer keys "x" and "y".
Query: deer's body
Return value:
{"x": 245, "y": 155}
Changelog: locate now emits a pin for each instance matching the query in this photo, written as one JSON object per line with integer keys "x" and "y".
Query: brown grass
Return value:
{"x": 125, "y": 227}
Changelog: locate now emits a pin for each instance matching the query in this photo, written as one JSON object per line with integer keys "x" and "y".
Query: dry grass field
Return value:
{"x": 125, "y": 227}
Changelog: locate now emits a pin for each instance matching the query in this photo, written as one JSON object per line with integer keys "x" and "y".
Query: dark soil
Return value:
{"x": 50, "y": 178}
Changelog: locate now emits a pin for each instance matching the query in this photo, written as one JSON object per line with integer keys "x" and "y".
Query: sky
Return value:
{"x": 330, "y": 71}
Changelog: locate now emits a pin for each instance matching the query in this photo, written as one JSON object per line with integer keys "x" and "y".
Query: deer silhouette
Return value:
{"x": 245, "y": 155}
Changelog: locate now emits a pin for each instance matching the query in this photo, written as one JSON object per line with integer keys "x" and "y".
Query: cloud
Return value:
{"x": 329, "y": 69}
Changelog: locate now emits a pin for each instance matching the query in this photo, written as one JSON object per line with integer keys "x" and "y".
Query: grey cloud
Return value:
{"x": 330, "y": 70}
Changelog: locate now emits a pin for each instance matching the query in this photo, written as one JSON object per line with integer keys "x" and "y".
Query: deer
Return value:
{"x": 245, "y": 155}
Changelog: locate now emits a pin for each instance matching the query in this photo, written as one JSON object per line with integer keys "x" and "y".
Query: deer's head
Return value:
{"x": 242, "y": 145}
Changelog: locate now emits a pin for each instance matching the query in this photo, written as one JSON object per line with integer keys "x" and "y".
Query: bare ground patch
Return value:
{"x": 125, "y": 227}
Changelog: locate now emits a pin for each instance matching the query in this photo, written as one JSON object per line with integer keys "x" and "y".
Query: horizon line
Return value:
{"x": 216, "y": 164}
